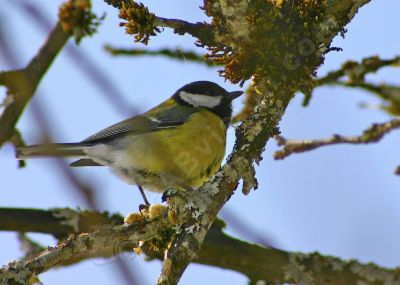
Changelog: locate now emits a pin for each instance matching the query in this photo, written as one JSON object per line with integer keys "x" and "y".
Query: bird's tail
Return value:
{"x": 56, "y": 149}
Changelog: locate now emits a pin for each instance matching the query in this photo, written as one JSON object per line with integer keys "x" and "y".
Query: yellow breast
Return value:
{"x": 191, "y": 152}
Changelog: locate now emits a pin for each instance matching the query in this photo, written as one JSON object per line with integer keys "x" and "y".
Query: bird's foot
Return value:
{"x": 147, "y": 213}
{"x": 144, "y": 208}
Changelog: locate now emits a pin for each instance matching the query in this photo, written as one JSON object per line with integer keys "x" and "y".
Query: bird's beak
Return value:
{"x": 233, "y": 95}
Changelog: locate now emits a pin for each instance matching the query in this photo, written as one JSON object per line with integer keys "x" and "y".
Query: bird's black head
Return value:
{"x": 209, "y": 95}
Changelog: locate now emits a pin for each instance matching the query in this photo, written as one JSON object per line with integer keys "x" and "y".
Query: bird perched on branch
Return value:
{"x": 177, "y": 144}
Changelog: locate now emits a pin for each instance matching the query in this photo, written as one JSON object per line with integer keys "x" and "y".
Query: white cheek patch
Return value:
{"x": 198, "y": 100}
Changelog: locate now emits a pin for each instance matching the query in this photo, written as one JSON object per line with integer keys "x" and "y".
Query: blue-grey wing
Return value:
{"x": 164, "y": 118}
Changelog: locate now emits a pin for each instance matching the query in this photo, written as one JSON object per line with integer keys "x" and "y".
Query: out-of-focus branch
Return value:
{"x": 75, "y": 19}
{"x": 244, "y": 229}
{"x": 177, "y": 54}
{"x": 389, "y": 94}
{"x": 220, "y": 250}
{"x": 29, "y": 247}
{"x": 82, "y": 60}
{"x": 59, "y": 222}
{"x": 22, "y": 84}
{"x": 371, "y": 135}
{"x": 355, "y": 73}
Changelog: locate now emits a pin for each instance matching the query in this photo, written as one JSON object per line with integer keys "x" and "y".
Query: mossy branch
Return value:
{"x": 142, "y": 24}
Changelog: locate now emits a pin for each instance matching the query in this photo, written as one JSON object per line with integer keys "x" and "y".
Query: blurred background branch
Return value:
{"x": 82, "y": 60}
{"x": 21, "y": 84}
{"x": 353, "y": 74}
{"x": 176, "y": 54}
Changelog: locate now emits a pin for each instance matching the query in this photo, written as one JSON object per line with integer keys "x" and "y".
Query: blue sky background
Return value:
{"x": 339, "y": 200}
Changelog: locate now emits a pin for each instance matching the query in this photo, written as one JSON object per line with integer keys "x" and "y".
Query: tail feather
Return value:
{"x": 84, "y": 162}
{"x": 56, "y": 149}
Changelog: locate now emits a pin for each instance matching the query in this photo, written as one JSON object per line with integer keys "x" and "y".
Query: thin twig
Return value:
{"x": 389, "y": 94}
{"x": 356, "y": 71}
{"x": 177, "y": 54}
{"x": 371, "y": 135}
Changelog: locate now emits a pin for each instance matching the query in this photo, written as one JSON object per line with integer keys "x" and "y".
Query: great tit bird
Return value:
{"x": 178, "y": 144}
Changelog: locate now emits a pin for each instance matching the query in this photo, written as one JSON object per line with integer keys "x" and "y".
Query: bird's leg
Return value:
{"x": 146, "y": 204}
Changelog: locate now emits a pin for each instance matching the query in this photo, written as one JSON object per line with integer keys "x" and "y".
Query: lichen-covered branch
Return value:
{"x": 371, "y": 135}
{"x": 220, "y": 250}
{"x": 76, "y": 247}
{"x": 143, "y": 24}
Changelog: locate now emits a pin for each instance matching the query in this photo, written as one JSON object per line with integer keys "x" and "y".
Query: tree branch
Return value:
{"x": 371, "y": 135}
{"x": 74, "y": 19}
{"x": 59, "y": 222}
{"x": 141, "y": 23}
{"x": 356, "y": 72}
{"x": 82, "y": 60}
{"x": 177, "y": 54}
{"x": 22, "y": 84}
{"x": 220, "y": 250}
{"x": 106, "y": 239}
